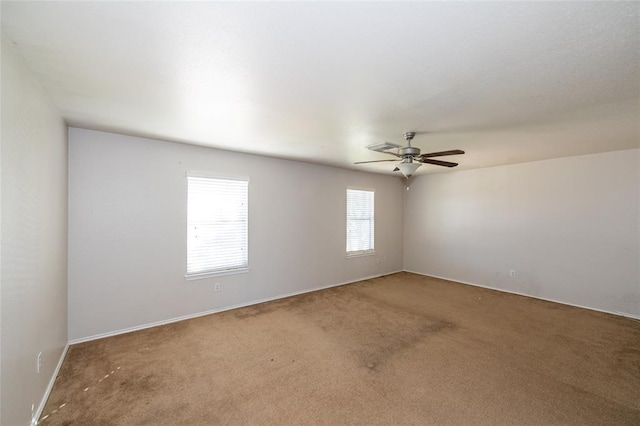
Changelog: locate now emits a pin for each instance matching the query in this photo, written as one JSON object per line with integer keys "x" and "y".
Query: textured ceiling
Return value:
{"x": 506, "y": 82}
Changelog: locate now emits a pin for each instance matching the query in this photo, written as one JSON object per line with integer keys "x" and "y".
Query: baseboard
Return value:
{"x": 621, "y": 314}
{"x": 45, "y": 397}
{"x": 215, "y": 311}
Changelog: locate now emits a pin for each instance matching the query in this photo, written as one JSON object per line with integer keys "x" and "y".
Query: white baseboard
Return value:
{"x": 622, "y": 314}
{"x": 47, "y": 392}
{"x": 215, "y": 311}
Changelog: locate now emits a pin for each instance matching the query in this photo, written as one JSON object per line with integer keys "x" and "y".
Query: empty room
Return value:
{"x": 324, "y": 213}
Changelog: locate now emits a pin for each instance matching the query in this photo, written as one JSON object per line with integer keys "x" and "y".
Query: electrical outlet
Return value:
{"x": 512, "y": 273}
{"x": 216, "y": 287}
{"x": 39, "y": 362}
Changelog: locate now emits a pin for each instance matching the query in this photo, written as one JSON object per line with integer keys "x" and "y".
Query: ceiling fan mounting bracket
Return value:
{"x": 408, "y": 136}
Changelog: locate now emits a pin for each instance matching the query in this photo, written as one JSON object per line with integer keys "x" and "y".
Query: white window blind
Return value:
{"x": 360, "y": 222}
{"x": 217, "y": 225}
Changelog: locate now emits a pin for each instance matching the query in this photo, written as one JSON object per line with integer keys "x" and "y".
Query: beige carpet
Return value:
{"x": 401, "y": 349}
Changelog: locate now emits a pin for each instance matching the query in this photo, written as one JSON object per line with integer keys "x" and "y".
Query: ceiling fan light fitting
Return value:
{"x": 408, "y": 169}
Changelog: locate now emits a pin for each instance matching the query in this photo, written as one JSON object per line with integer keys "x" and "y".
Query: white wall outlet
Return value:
{"x": 216, "y": 287}
{"x": 39, "y": 362}
{"x": 512, "y": 273}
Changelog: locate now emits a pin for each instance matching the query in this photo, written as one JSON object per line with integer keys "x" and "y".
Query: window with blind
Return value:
{"x": 217, "y": 226}
{"x": 360, "y": 222}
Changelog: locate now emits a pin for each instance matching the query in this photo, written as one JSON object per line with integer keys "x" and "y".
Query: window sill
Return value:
{"x": 203, "y": 275}
{"x": 361, "y": 253}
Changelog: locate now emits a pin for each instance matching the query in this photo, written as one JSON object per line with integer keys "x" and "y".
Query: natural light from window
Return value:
{"x": 217, "y": 226}
{"x": 360, "y": 222}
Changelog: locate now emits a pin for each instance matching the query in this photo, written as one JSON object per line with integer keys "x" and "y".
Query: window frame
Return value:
{"x": 367, "y": 252}
{"x": 215, "y": 272}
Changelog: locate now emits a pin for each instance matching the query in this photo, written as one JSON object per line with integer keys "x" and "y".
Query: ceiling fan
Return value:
{"x": 410, "y": 155}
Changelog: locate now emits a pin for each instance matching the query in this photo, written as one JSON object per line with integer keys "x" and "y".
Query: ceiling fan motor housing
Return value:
{"x": 409, "y": 150}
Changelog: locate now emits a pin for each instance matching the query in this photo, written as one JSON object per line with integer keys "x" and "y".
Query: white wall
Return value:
{"x": 568, "y": 226}
{"x": 127, "y": 230}
{"x": 33, "y": 239}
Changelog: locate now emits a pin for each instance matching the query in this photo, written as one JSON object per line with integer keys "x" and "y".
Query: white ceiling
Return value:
{"x": 315, "y": 81}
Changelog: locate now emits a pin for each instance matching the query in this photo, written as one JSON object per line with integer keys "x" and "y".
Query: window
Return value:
{"x": 360, "y": 226}
{"x": 217, "y": 226}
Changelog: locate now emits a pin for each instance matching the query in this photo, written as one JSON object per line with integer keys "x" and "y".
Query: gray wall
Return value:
{"x": 127, "y": 230}
{"x": 34, "y": 239}
{"x": 569, "y": 227}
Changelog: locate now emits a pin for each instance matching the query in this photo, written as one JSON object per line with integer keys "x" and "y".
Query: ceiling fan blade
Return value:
{"x": 390, "y": 153}
{"x": 442, "y": 153}
{"x": 373, "y": 161}
{"x": 383, "y": 147}
{"x": 437, "y": 162}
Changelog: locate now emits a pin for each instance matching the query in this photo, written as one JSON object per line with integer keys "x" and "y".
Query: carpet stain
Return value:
{"x": 146, "y": 383}
{"x": 371, "y": 331}
{"x": 374, "y": 351}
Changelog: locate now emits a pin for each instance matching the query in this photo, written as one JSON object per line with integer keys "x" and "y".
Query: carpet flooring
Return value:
{"x": 400, "y": 349}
